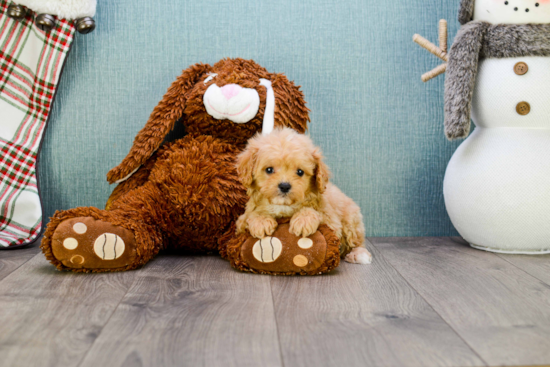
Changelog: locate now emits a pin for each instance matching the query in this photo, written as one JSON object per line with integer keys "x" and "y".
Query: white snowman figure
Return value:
{"x": 497, "y": 184}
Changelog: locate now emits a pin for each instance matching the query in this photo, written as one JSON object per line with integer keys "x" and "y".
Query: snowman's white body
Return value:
{"x": 497, "y": 184}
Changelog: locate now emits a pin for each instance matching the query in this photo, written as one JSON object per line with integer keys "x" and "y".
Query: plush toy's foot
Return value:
{"x": 283, "y": 253}
{"x": 359, "y": 255}
{"x": 89, "y": 244}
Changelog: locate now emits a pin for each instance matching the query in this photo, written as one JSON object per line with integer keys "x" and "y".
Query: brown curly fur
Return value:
{"x": 187, "y": 194}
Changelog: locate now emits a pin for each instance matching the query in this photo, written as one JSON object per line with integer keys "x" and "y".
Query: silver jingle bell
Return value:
{"x": 85, "y": 25}
{"x": 45, "y": 22}
{"x": 17, "y": 12}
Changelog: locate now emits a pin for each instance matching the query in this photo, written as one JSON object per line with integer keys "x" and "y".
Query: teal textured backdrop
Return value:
{"x": 379, "y": 126}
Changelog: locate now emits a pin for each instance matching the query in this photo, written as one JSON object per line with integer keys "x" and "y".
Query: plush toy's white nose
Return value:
{"x": 231, "y": 90}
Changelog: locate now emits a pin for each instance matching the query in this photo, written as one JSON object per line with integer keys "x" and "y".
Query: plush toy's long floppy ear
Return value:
{"x": 246, "y": 163}
{"x": 290, "y": 105}
{"x": 161, "y": 121}
{"x": 322, "y": 172}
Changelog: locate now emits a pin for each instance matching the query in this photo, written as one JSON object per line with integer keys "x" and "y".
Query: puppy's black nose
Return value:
{"x": 284, "y": 187}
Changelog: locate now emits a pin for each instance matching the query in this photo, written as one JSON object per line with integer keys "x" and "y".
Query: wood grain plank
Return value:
{"x": 499, "y": 310}
{"x": 10, "y": 260}
{"x": 362, "y": 316}
{"x": 536, "y": 265}
{"x": 51, "y": 318}
{"x": 191, "y": 311}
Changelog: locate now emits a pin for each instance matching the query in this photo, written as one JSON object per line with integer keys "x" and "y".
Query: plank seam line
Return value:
{"x": 108, "y": 320}
{"x": 501, "y": 256}
{"x": 428, "y": 303}
{"x": 276, "y": 321}
{"x": 20, "y": 265}
{"x": 523, "y": 270}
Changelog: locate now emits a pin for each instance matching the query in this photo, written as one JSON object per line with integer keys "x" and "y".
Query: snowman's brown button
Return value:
{"x": 523, "y": 108}
{"x": 521, "y": 68}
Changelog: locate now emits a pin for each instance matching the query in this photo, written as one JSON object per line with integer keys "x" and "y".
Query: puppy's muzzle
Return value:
{"x": 285, "y": 187}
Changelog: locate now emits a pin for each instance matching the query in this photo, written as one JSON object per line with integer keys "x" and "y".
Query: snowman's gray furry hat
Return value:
{"x": 466, "y": 12}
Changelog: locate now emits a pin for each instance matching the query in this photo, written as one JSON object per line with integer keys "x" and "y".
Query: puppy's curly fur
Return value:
{"x": 286, "y": 177}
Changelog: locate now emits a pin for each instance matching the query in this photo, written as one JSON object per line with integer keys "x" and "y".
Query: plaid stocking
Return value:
{"x": 31, "y": 61}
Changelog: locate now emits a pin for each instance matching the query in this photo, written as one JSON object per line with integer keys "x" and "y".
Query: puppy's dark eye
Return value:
{"x": 269, "y": 170}
{"x": 300, "y": 173}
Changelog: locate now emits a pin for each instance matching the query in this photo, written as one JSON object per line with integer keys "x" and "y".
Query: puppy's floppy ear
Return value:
{"x": 290, "y": 106}
{"x": 161, "y": 121}
{"x": 246, "y": 162}
{"x": 322, "y": 172}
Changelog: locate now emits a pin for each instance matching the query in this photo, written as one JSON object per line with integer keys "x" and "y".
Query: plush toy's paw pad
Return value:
{"x": 85, "y": 242}
{"x": 359, "y": 255}
{"x": 267, "y": 250}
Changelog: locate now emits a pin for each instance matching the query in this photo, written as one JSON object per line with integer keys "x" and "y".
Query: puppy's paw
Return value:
{"x": 260, "y": 227}
{"x": 359, "y": 255}
{"x": 304, "y": 225}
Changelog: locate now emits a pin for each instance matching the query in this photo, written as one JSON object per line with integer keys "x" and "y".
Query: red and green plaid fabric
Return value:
{"x": 30, "y": 66}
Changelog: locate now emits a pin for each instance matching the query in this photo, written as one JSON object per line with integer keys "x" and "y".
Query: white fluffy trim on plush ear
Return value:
{"x": 127, "y": 177}
{"x": 269, "y": 113}
{"x": 66, "y": 9}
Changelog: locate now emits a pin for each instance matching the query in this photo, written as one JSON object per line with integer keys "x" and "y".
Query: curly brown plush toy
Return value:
{"x": 185, "y": 194}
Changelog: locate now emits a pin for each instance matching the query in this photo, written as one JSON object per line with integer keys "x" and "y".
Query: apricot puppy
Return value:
{"x": 285, "y": 176}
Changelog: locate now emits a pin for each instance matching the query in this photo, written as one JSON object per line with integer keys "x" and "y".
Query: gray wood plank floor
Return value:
{"x": 423, "y": 302}
{"x": 10, "y": 260}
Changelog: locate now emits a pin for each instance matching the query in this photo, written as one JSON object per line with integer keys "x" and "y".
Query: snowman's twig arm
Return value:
{"x": 434, "y": 73}
{"x": 461, "y": 77}
{"x": 440, "y": 51}
{"x": 433, "y": 49}
{"x": 443, "y": 35}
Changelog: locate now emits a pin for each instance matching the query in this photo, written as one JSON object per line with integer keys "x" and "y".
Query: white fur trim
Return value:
{"x": 241, "y": 107}
{"x": 269, "y": 113}
{"x": 66, "y": 9}
{"x": 127, "y": 177}
{"x": 210, "y": 77}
